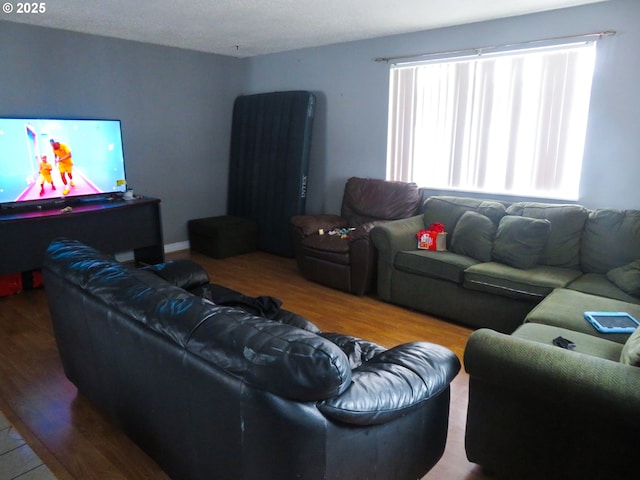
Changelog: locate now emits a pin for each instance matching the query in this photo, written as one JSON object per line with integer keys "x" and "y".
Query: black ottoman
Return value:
{"x": 221, "y": 237}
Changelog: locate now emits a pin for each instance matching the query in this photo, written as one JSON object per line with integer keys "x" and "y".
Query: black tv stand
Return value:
{"x": 111, "y": 224}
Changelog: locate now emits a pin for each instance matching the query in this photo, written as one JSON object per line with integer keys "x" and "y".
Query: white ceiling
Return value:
{"x": 245, "y": 28}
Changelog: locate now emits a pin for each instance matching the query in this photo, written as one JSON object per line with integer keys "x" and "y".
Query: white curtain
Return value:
{"x": 508, "y": 123}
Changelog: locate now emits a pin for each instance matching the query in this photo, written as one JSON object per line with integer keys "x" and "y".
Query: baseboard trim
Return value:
{"x": 174, "y": 247}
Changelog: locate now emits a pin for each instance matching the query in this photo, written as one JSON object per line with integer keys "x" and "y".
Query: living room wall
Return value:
{"x": 175, "y": 106}
{"x": 350, "y": 134}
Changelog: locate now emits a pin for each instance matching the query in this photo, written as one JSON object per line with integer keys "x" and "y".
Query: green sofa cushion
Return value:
{"x": 599, "y": 284}
{"x": 567, "y": 223}
{"x": 587, "y": 344}
{"x": 610, "y": 240}
{"x": 473, "y": 236}
{"x": 430, "y": 263}
{"x": 448, "y": 210}
{"x": 630, "y": 354}
{"x": 565, "y": 308}
{"x": 520, "y": 241}
{"x": 502, "y": 279}
{"x": 627, "y": 278}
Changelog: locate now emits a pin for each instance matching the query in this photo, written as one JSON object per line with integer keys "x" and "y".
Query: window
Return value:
{"x": 511, "y": 123}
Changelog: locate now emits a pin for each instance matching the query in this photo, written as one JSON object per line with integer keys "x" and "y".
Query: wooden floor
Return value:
{"x": 77, "y": 443}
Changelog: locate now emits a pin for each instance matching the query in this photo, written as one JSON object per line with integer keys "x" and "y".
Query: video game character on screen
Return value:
{"x": 45, "y": 174}
{"x": 53, "y": 161}
{"x": 65, "y": 163}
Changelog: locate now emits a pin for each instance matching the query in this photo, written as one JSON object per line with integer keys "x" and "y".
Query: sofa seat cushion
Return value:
{"x": 534, "y": 283}
{"x": 331, "y": 248}
{"x": 586, "y": 344}
{"x": 565, "y": 308}
{"x": 430, "y": 263}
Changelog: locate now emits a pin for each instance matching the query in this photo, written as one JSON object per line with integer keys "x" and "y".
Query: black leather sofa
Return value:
{"x": 214, "y": 391}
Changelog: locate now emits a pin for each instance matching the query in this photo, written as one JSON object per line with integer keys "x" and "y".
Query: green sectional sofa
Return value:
{"x": 527, "y": 272}
{"x": 510, "y": 262}
{"x": 537, "y": 411}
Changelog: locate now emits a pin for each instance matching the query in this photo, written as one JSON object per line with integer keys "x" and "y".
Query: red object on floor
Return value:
{"x": 10, "y": 284}
{"x": 16, "y": 282}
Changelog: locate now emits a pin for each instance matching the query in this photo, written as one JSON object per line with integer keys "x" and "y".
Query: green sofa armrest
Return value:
{"x": 555, "y": 375}
{"x": 396, "y": 235}
{"x": 390, "y": 238}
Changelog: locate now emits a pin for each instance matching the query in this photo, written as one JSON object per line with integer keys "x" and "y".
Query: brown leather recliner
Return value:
{"x": 348, "y": 262}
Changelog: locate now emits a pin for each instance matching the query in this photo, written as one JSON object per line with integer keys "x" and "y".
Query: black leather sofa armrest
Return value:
{"x": 392, "y": 383}
{"x": 181, "y": 273}
{"x": 310, "y": 224}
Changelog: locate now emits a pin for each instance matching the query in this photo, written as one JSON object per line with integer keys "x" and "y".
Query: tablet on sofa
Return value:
{"x": 612, "y": 322}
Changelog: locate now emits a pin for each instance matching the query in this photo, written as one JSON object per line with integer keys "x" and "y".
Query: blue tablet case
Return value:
{"x": 612, "y": 322}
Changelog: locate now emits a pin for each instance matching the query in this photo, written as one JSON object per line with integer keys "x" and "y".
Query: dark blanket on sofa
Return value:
{"x": 263, "y": 305}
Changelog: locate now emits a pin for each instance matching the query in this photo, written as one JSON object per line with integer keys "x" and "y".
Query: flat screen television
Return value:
{"x": 50, "y": 160}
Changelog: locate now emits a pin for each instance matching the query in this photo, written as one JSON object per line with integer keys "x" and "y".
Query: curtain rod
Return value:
{"x": 479, "y": 50}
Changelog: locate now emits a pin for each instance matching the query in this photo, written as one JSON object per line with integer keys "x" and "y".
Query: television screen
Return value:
{"x": 49, "y": 159}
